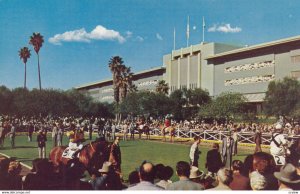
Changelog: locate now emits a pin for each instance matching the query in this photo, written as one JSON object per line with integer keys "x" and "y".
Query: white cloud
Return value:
{"x": 139, "y": 39}
{"x": 158, "y": 36}
{"x": 194, "y": 27}
{"x": 226, "y": 28}
{"x": 99, "y": 33}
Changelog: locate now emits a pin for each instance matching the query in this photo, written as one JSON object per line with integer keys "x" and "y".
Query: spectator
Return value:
{"x": 224, "y": 178}
{"x": 125, "y": 131}
{"x": 213, "y": 160}
{"x": 12, "y": 135}
{"x": 235, "y": 138}
{"x": 4, "y": 177}
{"x": 248, "y": 164}
{"x": 15, "y": 179}
{"x": 60, "y": 134}
{"x": 258, "y": 181}
{"x": 108, "y": 180}
{"x": 54, "y": 135}
{"x": 164, "y": 174}
{"x": 41, "y": 139}
{"x": 38, "y": 180}
{"x": 115, "y": 156}
{"x": 196, "y": 176}
{"x": 30, "y": 131}
{"x": 264, "y": 164}
{"x": 133, "y": 178}
{"x": 227, "y": 150}
{"x": 195, "y": 152}
{"x": 288, "y": 178}
{"x": 183, "y": 172}
{"x": 258, "y": 141}
{"x": 147, "y": 175}
{"x": 240, "y": 181}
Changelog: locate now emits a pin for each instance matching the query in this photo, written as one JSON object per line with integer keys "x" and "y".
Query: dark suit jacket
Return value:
{"x": 213, "y": 160}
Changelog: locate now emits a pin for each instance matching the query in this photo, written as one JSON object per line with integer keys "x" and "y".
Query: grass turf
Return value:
{"x": 133, "y": 153}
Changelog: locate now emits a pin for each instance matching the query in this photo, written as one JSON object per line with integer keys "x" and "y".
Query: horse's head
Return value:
{"x": 99, "y": 151}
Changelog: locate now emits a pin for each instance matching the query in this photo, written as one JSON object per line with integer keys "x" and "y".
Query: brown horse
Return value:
{"x": 92, "y": 156}
{"x": 164, "y": 130}
{"x": 4, "y": 130}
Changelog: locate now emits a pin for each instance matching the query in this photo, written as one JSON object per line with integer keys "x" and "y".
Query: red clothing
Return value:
{"x": 167, "y": 123}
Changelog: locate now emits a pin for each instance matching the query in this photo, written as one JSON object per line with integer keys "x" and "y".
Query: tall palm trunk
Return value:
{"x": 40, "y": 84}
{"x": 116, "y": 88}
{"x": 25, "y": 77}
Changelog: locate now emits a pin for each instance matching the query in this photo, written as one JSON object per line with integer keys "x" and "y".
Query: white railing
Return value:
{"x": 243, "y": 137}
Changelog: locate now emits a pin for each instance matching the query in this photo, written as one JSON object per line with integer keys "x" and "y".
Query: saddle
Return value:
{"x": 70, "y": 153}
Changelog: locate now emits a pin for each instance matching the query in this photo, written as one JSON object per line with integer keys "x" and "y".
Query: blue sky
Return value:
{"x": 82, "y": 35}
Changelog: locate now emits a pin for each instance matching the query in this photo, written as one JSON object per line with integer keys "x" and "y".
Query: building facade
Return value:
{"x": 102, "y": 91}
{"x": 218, "y": 68}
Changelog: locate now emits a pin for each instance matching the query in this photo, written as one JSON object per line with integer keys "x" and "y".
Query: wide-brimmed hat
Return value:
{"x": 105, "y": 167}
{"x": 288, "y": 174}
{"x": 195, "y": 173}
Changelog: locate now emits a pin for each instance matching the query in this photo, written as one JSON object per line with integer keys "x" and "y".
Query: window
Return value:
{"x": 295, "y": 59}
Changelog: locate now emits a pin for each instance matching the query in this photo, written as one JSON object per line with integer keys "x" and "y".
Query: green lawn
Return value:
{"x": 133, "y": 153}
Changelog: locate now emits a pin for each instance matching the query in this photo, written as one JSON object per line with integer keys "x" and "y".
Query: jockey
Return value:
{"x": 76, "y": 138}
{"x": 278, "y": 146}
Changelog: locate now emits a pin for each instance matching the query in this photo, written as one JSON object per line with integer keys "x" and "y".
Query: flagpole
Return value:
{"x": 188, "y": 31}
{"x": 174, "y": 43}
{"x": 203, "y": 31}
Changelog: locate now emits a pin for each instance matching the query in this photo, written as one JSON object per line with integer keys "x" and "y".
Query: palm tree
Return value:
{"x": 24, "y": 54}
{"x": 36, "y": 40}
{"x": 116, "y": 65}
{"x": 162, "y": 87}
{"x": 125, "y": 83}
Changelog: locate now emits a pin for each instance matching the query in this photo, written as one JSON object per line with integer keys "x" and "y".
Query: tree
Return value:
{"x": 282, "y": 97}
{"x": 36, "y": 40}
{"x": 124, "y": 82}
{"x": 5, "y": 99}
{"x": 162, "y": 87}
{"x": 24, "y": 54}
{"x": 116, "y": 64}
{"x": 227, "y": 105}
{"x": 177, "y": 102}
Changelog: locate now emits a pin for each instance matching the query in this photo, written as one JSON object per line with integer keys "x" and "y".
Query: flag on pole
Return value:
{"x": 188, "y": 31}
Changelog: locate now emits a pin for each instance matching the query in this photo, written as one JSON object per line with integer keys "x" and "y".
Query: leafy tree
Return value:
{"x": 5, "y": 99}
{"x": 37, "y": 40}
{"x": 24, "y": 54}
{"x": 227, "y": 105}
{"x": 162, "y": 87}
{"x": 177, "y": 102}
{"x": 282, "y": 97}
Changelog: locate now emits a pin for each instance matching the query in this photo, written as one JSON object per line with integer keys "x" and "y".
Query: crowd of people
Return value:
{"x": 259, "y": 171}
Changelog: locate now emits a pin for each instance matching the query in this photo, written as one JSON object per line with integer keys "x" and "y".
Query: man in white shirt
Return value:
{"x": 195, "y": 152}
{"x": 278, "y": 145}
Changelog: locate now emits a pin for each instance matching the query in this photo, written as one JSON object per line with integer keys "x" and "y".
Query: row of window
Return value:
{"x": 249, "y": 80}
{"x": 107, "y": 90}
{"x": 147, "y": 83}
{"x": 249, "y": 66}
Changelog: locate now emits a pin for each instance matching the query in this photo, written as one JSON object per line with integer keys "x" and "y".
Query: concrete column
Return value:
{"x": 178, "y": 71}
{"x": 188, "y": 72}
{"x": 199, "y": 70}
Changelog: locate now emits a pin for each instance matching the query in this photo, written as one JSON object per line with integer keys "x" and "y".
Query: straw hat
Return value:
{"x": 195, "y": 173}
{"x": 288, "y": 174}
{"x": 105, "y": 167}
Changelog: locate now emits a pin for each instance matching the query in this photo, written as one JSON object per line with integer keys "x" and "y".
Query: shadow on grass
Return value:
{"x": 25, "y": 147}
